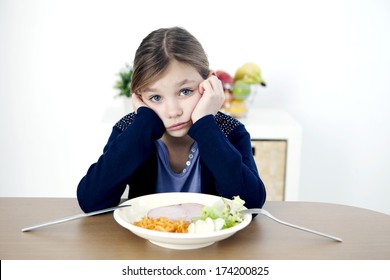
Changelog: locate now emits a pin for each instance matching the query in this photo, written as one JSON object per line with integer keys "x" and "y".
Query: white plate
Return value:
{"x": 180, "y": 241}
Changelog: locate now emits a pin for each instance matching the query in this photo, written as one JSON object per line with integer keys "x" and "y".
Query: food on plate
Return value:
{"x": 171, "y": 218}
{"x": 185, "y": 211}
{"x": 194, "y": 217}
{"x": 206, "y": 226}
{"x": 229, "y": 211}
{"x": 163, "y": 224}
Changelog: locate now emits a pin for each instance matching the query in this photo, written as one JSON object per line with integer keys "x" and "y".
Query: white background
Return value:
{"x": 327, "y": 63}
{"x": 113, "y": 269}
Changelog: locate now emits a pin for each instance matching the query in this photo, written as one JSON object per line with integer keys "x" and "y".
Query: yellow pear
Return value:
{"x": 249, "y": 73}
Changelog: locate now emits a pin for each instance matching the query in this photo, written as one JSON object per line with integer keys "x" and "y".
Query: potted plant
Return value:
{"x": 123, "y": 84}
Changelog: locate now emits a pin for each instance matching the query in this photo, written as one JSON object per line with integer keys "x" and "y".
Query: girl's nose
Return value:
{"x": 174, "y": 109}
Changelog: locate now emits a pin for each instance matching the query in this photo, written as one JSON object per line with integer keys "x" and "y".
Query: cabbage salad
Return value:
{"x": 216, "y": 218}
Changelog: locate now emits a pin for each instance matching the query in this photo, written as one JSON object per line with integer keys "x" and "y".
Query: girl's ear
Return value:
{"x": 212, "y": 73}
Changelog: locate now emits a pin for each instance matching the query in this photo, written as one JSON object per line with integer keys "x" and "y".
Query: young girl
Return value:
{"x": 176, "y": 140}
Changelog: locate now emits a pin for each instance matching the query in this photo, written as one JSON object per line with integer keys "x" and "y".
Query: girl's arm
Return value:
{"x": 129, "y": 146}
{"x": 229, "y": 157}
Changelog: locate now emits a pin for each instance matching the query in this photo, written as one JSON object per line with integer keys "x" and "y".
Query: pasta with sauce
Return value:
{"x": 163, "y": 224}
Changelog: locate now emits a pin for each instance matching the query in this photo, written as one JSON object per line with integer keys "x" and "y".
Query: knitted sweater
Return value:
{"x": 129, "y": 158}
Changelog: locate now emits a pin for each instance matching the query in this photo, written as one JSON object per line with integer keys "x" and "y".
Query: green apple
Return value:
{"x": 241, "y": 90}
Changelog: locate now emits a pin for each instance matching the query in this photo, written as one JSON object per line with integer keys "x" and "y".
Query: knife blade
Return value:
{"x": 73, "y": 217}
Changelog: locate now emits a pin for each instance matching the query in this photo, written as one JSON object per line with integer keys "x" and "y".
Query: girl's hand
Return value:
{"x": 212, "y": 98}
{"x": 137, "y": 101}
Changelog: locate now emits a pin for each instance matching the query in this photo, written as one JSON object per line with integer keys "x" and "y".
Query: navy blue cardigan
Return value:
{"x": 130, "y": 158}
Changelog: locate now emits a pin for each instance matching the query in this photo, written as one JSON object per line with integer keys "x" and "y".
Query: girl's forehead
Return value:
{"x": 176, "y": 75}
{"x": 177, "y": 67}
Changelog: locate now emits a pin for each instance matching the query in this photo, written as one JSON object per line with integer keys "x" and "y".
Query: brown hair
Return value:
{"x": 159, "y": 48}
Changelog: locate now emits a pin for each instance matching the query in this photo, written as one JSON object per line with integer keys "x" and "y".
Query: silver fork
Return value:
{"x": 266, "y": 213}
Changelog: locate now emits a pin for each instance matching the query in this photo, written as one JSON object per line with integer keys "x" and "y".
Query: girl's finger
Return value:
{"x": 204, "y": 86}
{"x": 216, "y": 83}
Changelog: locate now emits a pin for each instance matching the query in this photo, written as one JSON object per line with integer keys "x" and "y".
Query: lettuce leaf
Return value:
{"x": 230, "y": 212}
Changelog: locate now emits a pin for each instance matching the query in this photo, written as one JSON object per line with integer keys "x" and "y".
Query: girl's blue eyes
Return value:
{"x": 186, "y": 91}
{"x": 183, "y": 92}
{"x": 155, "y": 98}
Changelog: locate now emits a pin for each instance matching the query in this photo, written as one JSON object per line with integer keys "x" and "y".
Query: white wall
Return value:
{"x": 325, "y": 62}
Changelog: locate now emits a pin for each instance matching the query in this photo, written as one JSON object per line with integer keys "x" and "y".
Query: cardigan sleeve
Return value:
{"x": 225, "y": 148}
{"x": 129, "y": 146}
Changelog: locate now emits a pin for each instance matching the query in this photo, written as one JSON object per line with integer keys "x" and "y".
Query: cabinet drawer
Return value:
{"x": 270, "y": 157}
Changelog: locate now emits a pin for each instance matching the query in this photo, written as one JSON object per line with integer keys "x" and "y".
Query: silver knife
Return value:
{"x": 74, "y": 217}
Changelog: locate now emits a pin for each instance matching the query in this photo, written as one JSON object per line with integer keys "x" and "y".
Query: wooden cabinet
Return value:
{"x": 276, "y": 141}
{"x": 270, "y": 157}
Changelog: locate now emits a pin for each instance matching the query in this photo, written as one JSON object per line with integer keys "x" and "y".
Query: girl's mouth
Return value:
{"x": 178, "y": 126}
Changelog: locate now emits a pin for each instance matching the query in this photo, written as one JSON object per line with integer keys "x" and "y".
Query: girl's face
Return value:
{"x": 174, "y": 96}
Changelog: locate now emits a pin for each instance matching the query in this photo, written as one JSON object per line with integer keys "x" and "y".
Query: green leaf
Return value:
{"x": 124, "y": 82}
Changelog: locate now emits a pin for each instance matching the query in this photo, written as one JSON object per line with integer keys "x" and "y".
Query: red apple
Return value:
{"x": 226, "y": 79}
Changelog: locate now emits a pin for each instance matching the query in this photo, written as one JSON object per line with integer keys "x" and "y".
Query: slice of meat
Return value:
{"x": 186, "y": 211}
